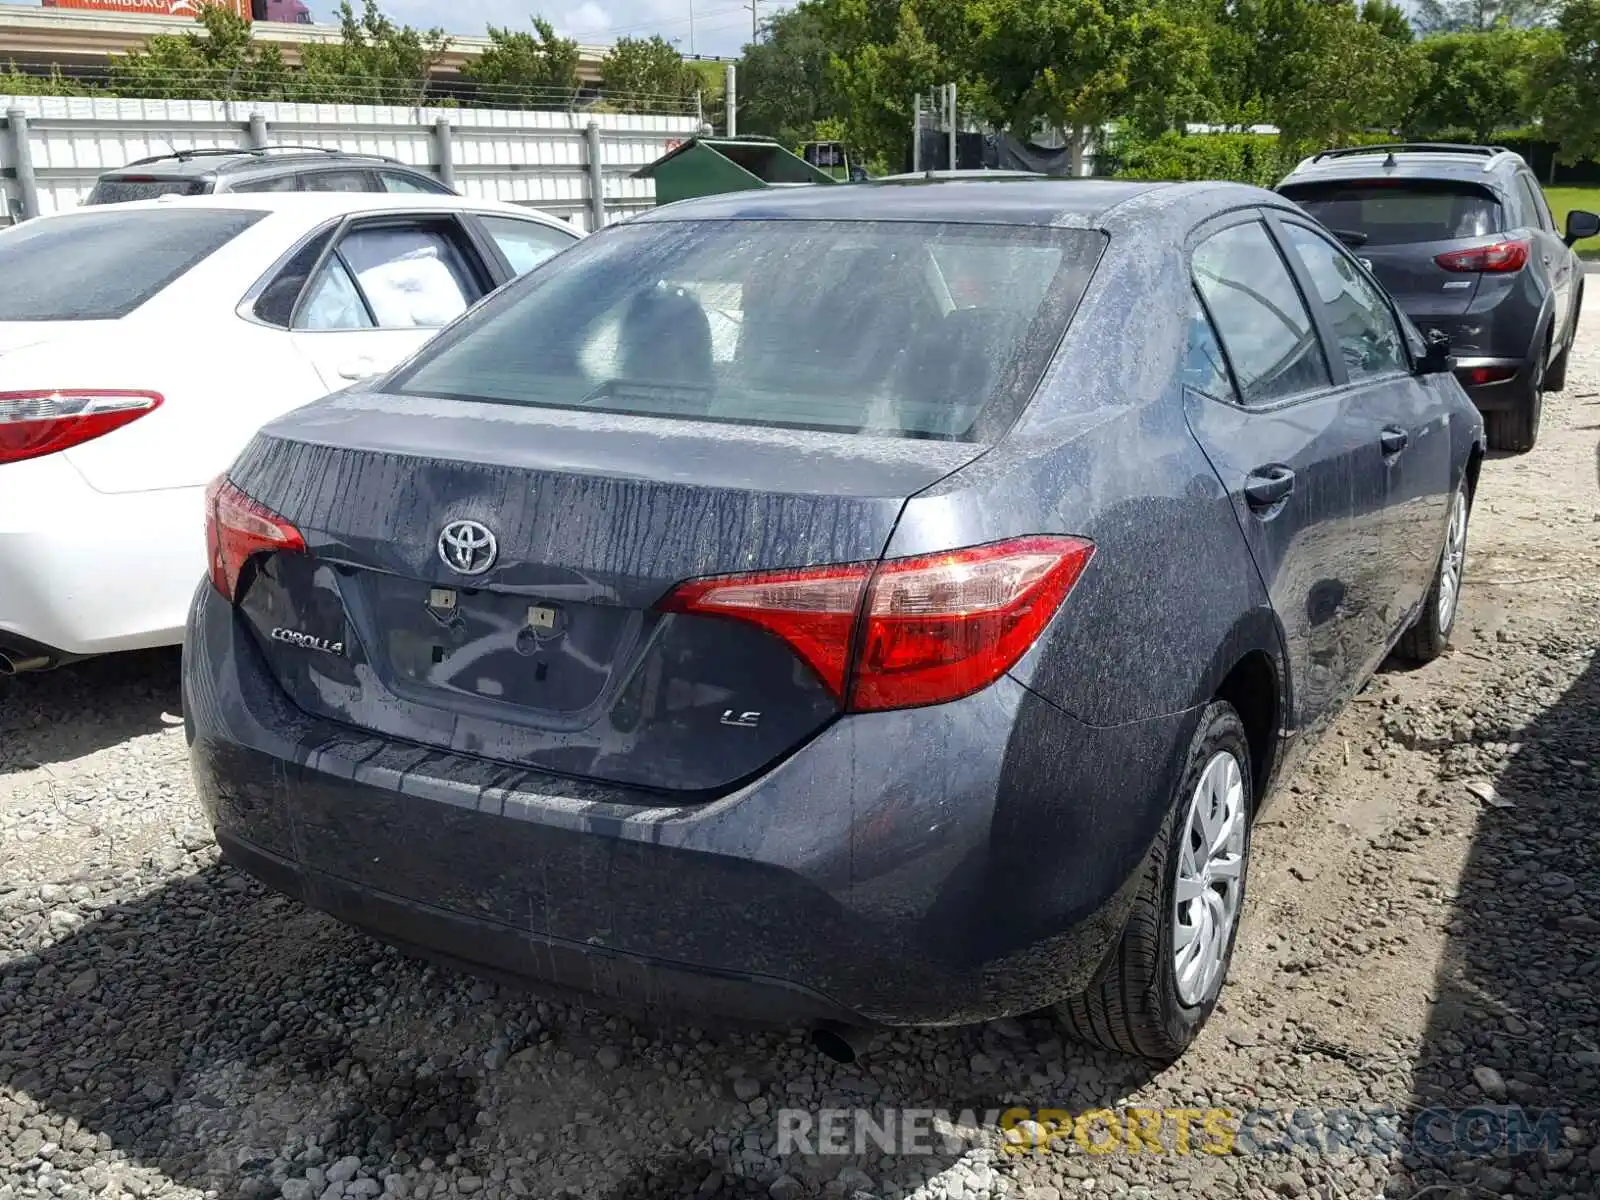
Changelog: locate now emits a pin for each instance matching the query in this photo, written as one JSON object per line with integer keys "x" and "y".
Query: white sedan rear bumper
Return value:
{"x": 83, "y": 572}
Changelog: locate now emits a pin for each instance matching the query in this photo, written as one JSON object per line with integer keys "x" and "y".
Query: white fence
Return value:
{"x": 52, "y": 148}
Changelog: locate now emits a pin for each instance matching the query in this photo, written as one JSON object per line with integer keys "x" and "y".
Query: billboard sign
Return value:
{"x": 149, "y": 8}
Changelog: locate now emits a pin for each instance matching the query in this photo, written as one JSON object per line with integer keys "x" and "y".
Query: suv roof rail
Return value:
{"x": 254, "y": 152}
{"x": 1390, "y": 148}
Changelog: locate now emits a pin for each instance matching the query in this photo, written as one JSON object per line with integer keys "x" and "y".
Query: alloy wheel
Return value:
{"x": 1455, "y": 555}
{"x": 1210, "y": 882}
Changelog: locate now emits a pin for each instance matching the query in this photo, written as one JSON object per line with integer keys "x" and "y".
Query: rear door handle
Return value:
{"x": 1267, "y": 486}
{"x": 1394, "y": 440}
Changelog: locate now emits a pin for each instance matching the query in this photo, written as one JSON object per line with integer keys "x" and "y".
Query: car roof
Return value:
{"x": 191, "y": 165}
{"x": 1464, "y": 163}
{"x": 314, "y": 207}
{"x": 1084, "y": 203}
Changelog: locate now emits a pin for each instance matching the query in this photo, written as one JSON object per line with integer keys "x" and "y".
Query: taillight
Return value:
{"x": 1500, "y": 258}
{"x": 33, "y": 424}
{"x": 908, "y": 631}
{"x": 237, "y": 528}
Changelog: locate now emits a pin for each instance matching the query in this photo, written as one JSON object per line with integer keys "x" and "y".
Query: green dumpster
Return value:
{"x": 705, "y": 166}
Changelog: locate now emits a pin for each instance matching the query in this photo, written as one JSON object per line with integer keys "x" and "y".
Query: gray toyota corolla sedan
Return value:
{"x": 884, "y": 604}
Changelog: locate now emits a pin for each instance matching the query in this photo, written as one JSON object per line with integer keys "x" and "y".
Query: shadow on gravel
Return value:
{"x": 208, "y": 1030}
{"x": 52, "y": 716}
{"x": 1516, "y": 1021}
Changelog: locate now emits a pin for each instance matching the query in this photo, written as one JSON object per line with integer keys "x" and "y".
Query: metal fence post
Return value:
{"x": 444, "y": 151}
{"x": 597, "y": 180}
{"x": 19, "y": 160}
{"x": 257, "y": 131}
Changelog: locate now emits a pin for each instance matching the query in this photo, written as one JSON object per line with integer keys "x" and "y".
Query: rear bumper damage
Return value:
{"x": 929, "y": 866}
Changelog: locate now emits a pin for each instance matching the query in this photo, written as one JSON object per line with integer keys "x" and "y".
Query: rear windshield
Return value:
{"x": 897, "y": 329}
{"x": 100, "y": 265}
{"x": 1394, "y": 212}
{"x": 121, "y": 191}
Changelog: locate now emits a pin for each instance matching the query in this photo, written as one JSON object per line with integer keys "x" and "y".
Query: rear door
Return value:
{"x": 1298, "y": 455}
{"x": 1413, "y": 441}
{"x": 381, "y": 288}
{"x": 1551, "y": 255}
{"x": 1407, "y": 224}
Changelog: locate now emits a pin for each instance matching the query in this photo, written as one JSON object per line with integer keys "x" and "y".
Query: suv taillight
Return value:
{"x": 907, "y": 631}
{"x": 33, "y": 424}
{"x": 238, "y": 528}
{"x": 1502, "y": 258}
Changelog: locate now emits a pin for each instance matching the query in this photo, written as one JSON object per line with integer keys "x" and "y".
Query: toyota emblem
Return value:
{"x": 467, "y": 547}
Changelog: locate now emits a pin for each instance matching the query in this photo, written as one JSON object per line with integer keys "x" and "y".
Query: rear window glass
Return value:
{"x": 1395, "y": 212}
{"x": 96, "y": 266}
{"x": 122, "y": 191}
{"x": 902, "y": 329}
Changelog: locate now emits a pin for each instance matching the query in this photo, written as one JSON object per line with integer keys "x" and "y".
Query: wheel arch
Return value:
{"x": 1250, "y": 671}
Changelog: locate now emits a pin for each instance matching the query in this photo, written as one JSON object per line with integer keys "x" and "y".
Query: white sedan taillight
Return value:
{"x": 33, "y": 424}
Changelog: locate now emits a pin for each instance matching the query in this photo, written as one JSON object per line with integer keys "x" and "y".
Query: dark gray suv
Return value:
{"x": 269, "y": 169}
{"x": 1463, "y": 239}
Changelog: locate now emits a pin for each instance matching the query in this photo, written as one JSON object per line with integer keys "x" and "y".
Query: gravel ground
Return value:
{"x": 1423, "y": 930}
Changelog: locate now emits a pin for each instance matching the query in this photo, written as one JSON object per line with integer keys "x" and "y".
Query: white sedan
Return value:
{"x": 141, "y": 345}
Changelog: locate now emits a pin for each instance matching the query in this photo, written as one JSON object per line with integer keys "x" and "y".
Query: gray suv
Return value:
{"x": 270, "y": 169}
{"x": 1464, "y": 241}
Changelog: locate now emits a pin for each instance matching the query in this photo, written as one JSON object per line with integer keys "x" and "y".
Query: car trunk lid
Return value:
{"x": 553, "y": 655}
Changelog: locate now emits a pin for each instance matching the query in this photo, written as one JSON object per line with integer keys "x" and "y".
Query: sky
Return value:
{"x": 719, "y": 26}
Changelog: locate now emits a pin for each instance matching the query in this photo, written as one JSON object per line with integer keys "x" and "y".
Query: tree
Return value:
{"x": 1480, "y": 82}
{"x": 1349, "y": 76}
{"x": 647, "y": 75}
{"x": 216, "y": 60}
{"x": 785, "y": 86}
{"x": 1572, "y": 83}
{"x": 1390, "y": 19}
{"x": 375, "y": 61}
{"x": 1453, "y": 16}
{"x": 883, "y": 57}
{"x": 526, "y": 70}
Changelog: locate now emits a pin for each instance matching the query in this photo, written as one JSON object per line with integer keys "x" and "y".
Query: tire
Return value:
{"x": 1430, "y": 632}
{"x": 1136, "y": 1004}
{"x": 1516, "y": 429}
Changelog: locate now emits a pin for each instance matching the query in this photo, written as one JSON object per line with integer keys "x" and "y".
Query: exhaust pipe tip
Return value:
{"x": 16, "y": 666}
{"x": 842, "y": 1043}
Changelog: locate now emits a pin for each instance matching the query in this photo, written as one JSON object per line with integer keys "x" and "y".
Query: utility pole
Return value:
{"x": 916, "y": 133}
{"x": 691, "y": 28}
{"x": 755, "y": 21}
{"x": 731, "y": 92}
{"x": 950, "y": 92}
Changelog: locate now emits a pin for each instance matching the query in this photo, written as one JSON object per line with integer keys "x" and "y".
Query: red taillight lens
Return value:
{"x": 814, "y": 610}
{"x": 238, "y": 527}
{"x": 33, "y": 424}
{"x": 1500, "y": 258}
{"x": 1478, "y": 376}
{"x": 932, "y": 628}
{"x": 945, "y": 625}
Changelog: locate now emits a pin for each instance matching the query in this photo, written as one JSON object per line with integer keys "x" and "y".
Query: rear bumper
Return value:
{"x": 1501, "y": 394}
{"x": 940, "y": 865}
{"x": 82, "y": 572}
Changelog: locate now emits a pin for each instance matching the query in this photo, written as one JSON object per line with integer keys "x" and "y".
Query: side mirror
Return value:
{"x": 1436, "y": 359}
{"x": 1581, "y": 224}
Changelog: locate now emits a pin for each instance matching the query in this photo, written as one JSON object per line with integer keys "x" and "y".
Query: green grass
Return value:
{"x": 1563, "y": 199}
